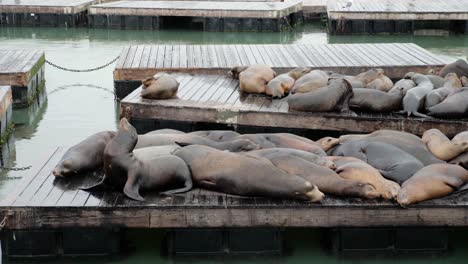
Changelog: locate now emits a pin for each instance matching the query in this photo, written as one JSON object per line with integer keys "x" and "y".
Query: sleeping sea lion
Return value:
{"x": 236, "y": 70}
{"x": 311, "y": 81}
{"x": 381, "y": 83}
{"x": 327, "y": 143}
{"x": 414, "y": 98}
{"x": 353, "y": 168}
{"x": 433, "y": 181}
{"x": 165, "y": 131}
{"x": 123, "y": 169}
{"x": 168, "y": 139}
{"x": 455, "y": 105}
{"x": 287, "y": 152}
{"x": 86, "y": 155}
{"x": 441, "y": 146}
{"x": 255, "y": 78}
{"x": 334, "y": 97}
{"x": 375, "y": 101}
{"x": 217, "y": 135}
{"x": 460, "y": 137}
{"x": 244, "y": 175}
{"x": 452, "y": 83}
{"x": 402, "y": 86}
{"x": 160, "y": 87}
{"x": 437, "y": 81}
{"x": 460, "y": 67}
{"x": 283, "y": 83}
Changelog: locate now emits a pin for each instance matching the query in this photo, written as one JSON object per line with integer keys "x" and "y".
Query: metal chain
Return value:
{"x": 15, "y": 168}
{"x": 85, "y": 70}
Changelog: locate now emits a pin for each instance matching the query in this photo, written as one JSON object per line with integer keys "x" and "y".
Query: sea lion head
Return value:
{"x": 127, "y": 136}
{"x": 327, "y": 143}
{"x": 242, "y": 144}
{"x": 453, "y": 79}
{"x": 64, "y": 168}
{"x": 409, "y": 75}
{"x": 234, "y": 72}
{"x": 147, "y": 82}
{"x": 299, "y": 72}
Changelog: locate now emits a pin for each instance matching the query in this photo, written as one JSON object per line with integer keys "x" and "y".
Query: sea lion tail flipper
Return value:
{"x": 188, "y": 185}
{"x": 420, "y": 115}
{"x": 131, "y": 188}
{"x": 95, "y": 187}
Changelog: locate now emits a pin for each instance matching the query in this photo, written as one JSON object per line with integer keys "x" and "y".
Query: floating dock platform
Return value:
{"x": 23, "y": 70}
{"x": 6, "y": 110}
{"x": 390, "y": 16}
{"x": 215, "y": 100}
{"x": 205, "y": 15}
{"x": 52, "y": 13}
{"x": 142, "y": 61}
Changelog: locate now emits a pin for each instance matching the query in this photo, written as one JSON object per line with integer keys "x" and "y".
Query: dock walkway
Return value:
{"x": 396, "y": 59}
{"x": 41, "y": 201}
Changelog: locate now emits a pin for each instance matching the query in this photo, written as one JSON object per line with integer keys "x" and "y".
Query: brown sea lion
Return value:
{"x": 381, "y": 83}
{"x": 441, "y": 146}
{"x": 255, "y": 78}
{"x": 327, "y": 143}
{"x": 455, "y": 105}
{"x": 402, "y": 86}
{"x": 464, "y": 81}
{"x": 165, "y": 131}
{"x": 375, "y": 100}
{"x": 283, "y": 83}
{"x": 217, "y": 135}
{"x": 244, "y": 175}
{"x": 430, "y": 182}
{"x": 123, "y": 170}
{"x": 86, "y": 155}
{"x": 160, "y": 87}
{"x": 452, "y": 83}
{"x": 169, "y": 139}
{"x": 287, "y": 152}
{"x": 334, "y": 97}
{"x": 460, "y": 67}
{"x": 311, "y": 81}
{"x": 460, "y": 137}
{"x": 413, "y": 101}
{"x": 236, "y": 70}
{"x": 353, "y": 168}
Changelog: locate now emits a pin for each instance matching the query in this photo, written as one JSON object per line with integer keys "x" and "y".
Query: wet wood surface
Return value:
{"x": 217, "y": 99}
{"x": 46, "y": 6}
{"x": 396, "y": 59}
{"x": 399, "y": 10}
{"x": 41, "y": 201}
{"x": 16, "y": 66}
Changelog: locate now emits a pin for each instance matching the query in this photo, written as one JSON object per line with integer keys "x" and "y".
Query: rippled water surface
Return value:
{"x": 79, "y": 104}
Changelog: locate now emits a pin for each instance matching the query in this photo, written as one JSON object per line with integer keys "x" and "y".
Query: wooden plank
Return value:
{"x": 161, "y": 56}
{"x": 175, "y": 57}
{"x": 145, "y": 57}
{"x": 138, "y": 55}
{"x": 130, "y": 57}
{"x": 123, "y": 56}
{"x": 168, "y": 56}
{"x": 183, "y": 57}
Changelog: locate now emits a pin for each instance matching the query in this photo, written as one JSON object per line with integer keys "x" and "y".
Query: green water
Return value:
{"x": 79, "y": 104}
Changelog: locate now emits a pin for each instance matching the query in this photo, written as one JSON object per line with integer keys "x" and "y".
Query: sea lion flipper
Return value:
{"x": 131, "y": 188}
{"x": 187, "y": 186}
{"x": 95, "y": 187}
{"x": 420, "y": 115}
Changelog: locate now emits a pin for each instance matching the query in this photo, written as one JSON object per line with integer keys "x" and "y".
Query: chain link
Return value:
{"x": 15, "y": 168}
{"x": 85, "y": 70}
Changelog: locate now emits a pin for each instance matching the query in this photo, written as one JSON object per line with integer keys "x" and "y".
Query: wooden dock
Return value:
{"x": 23, "y": 70}
{"x": 215, "y": 99}
{"x": 54, "y": 13}
{"x": 141, "y": 61}
{"x": 6, "y": 109}
{"x": 41, "y": 201}
{"x": 397, "y": 16}
{"x": 206, "y": 15}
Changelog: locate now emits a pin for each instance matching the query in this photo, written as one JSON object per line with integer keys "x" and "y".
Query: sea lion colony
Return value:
{"x": 385, "y": 164}
{"x": 443, "y": 96}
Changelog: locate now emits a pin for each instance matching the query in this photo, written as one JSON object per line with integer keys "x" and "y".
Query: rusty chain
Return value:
{"x": 85, "y": 70}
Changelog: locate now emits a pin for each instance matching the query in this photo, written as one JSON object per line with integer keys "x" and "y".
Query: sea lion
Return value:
{"x": 381, "y": 83}
{"x": 160, "y": 87}
{"x": 236, "y": 70}
{"x": 414, "y": 98}
{"x": 437, "y": 81}
{"x": 217, "y": 135}
{"x": 311, "y": 81}
{"x": 327, "y": 143}
{"x": 460, "y": 137}
{"x": 433, "y": 181}
{"x": 287, "y": 152}
{"x": 392, "y": 162}
{"x": 283, "y": 83}
{"x": 165, "y": 131}
{"x": 86, "y": 155}
{"x": 168, "y": 139}
{"x": 123, "y": 169}
{"x": 455, "y": 105}
{"x": 353, "y": 168}
{"x": 452, "y": 83}
{"x": 464, "y": 81}
{"x": 461, "y": 160}
{"x": 460, "y": 67}
{"x": 375, "y": 100}
{"x": 149, "y": 153}
{"x": 363, "y": 79}
{"x": 441, "y": 146}
{"x": 334, "y": 97}
{"x": 402, "y": 86}
{"x": 244, "y": 175}
{"x": 255, "y": 78}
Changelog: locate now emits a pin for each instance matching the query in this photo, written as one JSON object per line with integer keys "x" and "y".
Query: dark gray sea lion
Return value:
{"x": 460, "y": 67}
{"x": 441, "y": 146}
{"x": 168, "y": 139}
{"x": 311, "y": 81}
{"x": 413, "y": 101}
{"x": 149, "y": 153}
{"x": 392, "y": 162}
{"x": 86, "y": 155}
{"x": 217, "y": 135}
{"x": 160, "y": 87}
{"x": 433, "y": 181}
{"x": 255, "y": 78}
{"x": 402, "y": 86}
{"x": 244, "y": 175}
{"x": 283, "y": 83}
{"x": 165, "y": 131}
{"x": 451, "y": 85}
{"x": 455, "y": 105}
{"x": 375, "y": 101}
{"x": 334, "y": 97}
{"x": 437, "y": 81}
